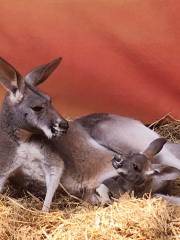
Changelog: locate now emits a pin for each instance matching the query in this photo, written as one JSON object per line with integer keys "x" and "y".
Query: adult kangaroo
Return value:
{"x": 25, "y": 107}
{"x": 91, "y": 142}
{"x": 87, "y": 150}
{"x": 119, "y": 134}
{"x": 129, "y": 138}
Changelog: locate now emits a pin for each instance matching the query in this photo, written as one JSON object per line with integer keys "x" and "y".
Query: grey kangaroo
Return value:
{"x": 25, "y": 107}
{"x": 129, "y": 138}
{"x": 142, "y": 173}
{"x": 87, "y": 150}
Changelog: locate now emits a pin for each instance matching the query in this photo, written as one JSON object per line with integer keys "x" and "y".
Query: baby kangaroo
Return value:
{"x": 25, "y": 107}
{"x": 142, "y": 174}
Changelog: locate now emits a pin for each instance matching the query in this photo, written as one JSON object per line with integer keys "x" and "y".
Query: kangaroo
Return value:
{"x": 87, "y": 150}
{"x": 119, "y": 134}
{"x": 86, "y": 163}
{"x": 25, "y": 107}
{"x": 142, "y": 173}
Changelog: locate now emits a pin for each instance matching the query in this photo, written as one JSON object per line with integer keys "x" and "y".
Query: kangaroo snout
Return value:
{"x": 117, "y": 162}
{"x": 59, "y": 127}
{"x": 63, "y": 125}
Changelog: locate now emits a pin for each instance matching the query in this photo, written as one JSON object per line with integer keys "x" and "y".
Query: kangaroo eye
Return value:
{"x": 37, "y": 108}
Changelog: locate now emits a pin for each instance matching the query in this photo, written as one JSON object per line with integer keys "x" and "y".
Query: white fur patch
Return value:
{"x": 46, "y": 131}
{"x": 53, "y": 176}
{"x": 29, "y": 159}
{"x": 29, "y": 152}
{"x": 149, "y": 172}
{"x": 103, "y": 194}
{"x": 16, "y": 98}
{"x": 2, "y": 183}
{"x": 121, "y": 170}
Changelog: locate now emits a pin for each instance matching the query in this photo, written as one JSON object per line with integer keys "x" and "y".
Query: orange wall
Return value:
{"x": 118, "y": 56}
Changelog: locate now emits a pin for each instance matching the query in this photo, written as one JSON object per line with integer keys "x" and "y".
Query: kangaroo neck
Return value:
{"x": 7, "y": 123}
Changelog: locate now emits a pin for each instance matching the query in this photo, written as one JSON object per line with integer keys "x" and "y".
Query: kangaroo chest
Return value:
{"x": 29, "y": 157}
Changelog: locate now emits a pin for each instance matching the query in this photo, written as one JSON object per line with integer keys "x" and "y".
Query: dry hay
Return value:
{"x": 128, "y": 218}
{"x": 168, "y": 127}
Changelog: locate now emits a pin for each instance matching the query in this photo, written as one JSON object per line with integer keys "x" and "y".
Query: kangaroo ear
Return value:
{"x": 154, "y": 147}
{"x": 164, "y": 172}
{"x": 41, "y": 73}
{"x": 10, "y": 78}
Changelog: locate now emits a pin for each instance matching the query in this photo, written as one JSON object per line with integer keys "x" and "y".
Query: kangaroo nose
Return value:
{"x": 117, "y": 158}
{"x": 117, "y": 161}
{"x": 64, "y": 125}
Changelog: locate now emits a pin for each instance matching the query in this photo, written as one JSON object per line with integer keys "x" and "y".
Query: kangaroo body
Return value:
{"x": 90, "y": 144}
{"x": 122, "y": 134}
{"x": 26, "y": 108}
{"x": 87, "y": 163}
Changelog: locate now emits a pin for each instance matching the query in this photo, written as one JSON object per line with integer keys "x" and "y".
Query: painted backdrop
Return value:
{"x": 120, "y": 56}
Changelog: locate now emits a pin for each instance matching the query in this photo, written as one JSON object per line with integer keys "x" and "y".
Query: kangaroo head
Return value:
{"x": 25, "y": 107}
{"x": 139, "y": 168}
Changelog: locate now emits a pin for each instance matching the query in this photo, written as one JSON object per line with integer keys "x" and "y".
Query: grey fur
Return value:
{"x": 85, "y": 161}
{"x": 26, "y": 108}
{"x": 89, "y": 146}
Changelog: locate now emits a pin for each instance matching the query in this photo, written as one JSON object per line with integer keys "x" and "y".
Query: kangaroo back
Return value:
{"x": 121, "y": 134}
{"x": 174, "y": 148}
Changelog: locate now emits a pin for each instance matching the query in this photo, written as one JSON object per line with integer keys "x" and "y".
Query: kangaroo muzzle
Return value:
{"x": 59, "y": 127}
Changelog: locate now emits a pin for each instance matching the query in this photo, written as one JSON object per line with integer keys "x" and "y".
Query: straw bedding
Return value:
{"x": 127, "y": 218}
